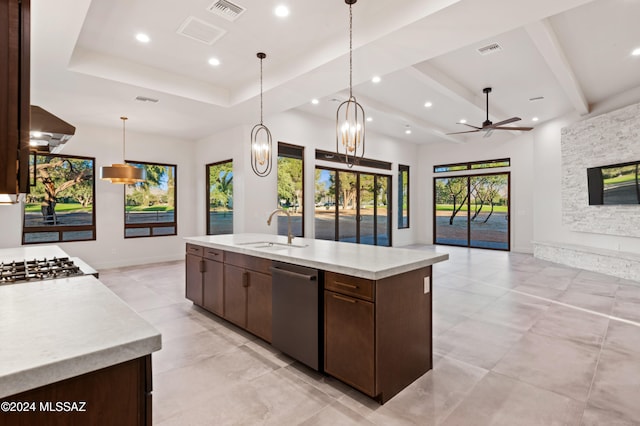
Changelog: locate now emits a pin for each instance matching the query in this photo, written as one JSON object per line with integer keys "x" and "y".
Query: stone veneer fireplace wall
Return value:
{"x": 606, "y": 139}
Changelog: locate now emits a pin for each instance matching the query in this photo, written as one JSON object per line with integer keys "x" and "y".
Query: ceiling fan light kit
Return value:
{"x": 488, "y": 126}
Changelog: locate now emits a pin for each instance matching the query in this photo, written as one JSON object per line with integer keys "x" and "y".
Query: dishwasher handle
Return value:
{"x": 307, "y": 277}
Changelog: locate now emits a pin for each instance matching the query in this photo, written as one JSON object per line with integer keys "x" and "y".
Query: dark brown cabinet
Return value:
{"x": 349, "y": 340}
{"x": 116, "y": 395}
{"x": 213, "y": 281}
{"x": 247, "y": 295}
{"x": 194, "y": 274}
{"x": 15, "y": 100}
{"x": 378, "y": 333}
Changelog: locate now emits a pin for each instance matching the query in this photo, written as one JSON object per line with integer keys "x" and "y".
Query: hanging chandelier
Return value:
{"x": 122, "y": 173}
{"x": 350, "y": 117}
{"x": 261, "y": 139}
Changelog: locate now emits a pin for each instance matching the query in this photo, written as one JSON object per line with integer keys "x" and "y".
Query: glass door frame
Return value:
{"x": 468, "y": 202}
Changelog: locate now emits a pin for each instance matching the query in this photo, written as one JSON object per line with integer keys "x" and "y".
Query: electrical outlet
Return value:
{"x": 427, "y": 285}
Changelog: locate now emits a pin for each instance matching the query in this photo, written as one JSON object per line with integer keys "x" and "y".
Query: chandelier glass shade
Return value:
{"x": 261, "y": 144}
{"x": 122, "y": 173}
{"x": 350, "y": 117}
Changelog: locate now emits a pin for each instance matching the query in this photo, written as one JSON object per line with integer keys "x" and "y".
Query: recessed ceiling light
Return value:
{"x": 462, "y": 121}
{"x": 214, "y": 62}
{"x": 315, "y": 101}
{"x": 282, "y": 11}
{"x": 428, "y": 104}
{"x": 636, "y": 51}
{"x": 376, "y": 79}
{"x": 535, "y": 119}
{"x": 142, "y": 38}
{"x": 369, "y": 118}
{"x": 408, "y": 131}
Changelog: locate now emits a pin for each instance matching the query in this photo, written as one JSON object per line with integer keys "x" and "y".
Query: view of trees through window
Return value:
{"x": 220, "y": 190}
{"x": 472, "y": 211}
{"x": 403, "y": 196}
{"x": 59, "y": 206}
{"x": 150, "y": 206}
{"x": 290, "y": 187}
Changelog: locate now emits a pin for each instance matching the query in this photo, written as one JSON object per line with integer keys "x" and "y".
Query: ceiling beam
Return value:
{"x": 546, "y": 40}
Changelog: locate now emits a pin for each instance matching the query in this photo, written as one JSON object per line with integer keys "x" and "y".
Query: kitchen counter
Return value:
{"x": 364, "y": 261}
{"x": 57, "y": 329}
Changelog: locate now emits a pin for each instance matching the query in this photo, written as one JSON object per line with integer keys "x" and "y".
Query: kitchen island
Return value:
{"x": 72, "y": 352}
{"x": 369, "y": 306}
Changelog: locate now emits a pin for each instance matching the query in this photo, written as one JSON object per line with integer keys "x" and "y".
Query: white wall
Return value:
{"x": 111, "y": 249}
{"x": 255, "y": 197}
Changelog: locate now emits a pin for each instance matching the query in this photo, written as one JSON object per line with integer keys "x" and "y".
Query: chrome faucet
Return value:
{"x": 289, "y": 233}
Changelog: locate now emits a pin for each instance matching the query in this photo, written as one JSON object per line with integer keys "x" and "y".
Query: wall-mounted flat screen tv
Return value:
{"x": 614, "y": 184}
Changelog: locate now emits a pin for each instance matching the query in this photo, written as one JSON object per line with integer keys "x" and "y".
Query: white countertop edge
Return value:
{"x": 22, "y": 381}
{"x": 294, "y": 256}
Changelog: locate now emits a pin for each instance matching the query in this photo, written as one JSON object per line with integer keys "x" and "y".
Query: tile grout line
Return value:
{"x": 589, "y": 311}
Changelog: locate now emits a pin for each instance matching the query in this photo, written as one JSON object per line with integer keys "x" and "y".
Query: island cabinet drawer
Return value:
{"x": 213, "y": 254}
{"x": 194, "y": 249}
{"x": 353, "y": 286}
{"x": 257, "y": 264}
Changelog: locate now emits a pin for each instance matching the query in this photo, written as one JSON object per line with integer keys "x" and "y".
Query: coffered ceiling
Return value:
{"x": 554, "y": 57}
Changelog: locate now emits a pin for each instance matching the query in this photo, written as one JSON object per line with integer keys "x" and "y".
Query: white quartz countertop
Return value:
{"x": 56, "y": 329}
{"x": 365, "y": 261}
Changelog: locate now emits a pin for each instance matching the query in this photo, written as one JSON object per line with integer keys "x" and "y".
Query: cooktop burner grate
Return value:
{"x": 38, "y": 269}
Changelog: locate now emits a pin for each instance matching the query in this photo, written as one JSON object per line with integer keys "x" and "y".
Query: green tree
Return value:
{"x": 221, "y": 185}
{"x": 289, "y": 180}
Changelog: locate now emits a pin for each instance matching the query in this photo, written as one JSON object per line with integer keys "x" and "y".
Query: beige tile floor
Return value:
{"x": 517, "y": 341}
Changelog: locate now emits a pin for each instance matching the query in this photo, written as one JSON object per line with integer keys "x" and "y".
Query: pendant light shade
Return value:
{"x": 261, "y": 152}
{"x": 350, "y": 118}
{"x": 122, "y": 173}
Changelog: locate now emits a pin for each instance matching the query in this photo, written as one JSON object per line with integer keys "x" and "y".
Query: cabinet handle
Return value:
{"x": 344, "y": 299}
{"x": 213, "y": 253}
{"x": 201, "y": 266}
{"x": 346, "y": 285}
{"x": 293, "y": 274}
{"x": 245, "y": 279}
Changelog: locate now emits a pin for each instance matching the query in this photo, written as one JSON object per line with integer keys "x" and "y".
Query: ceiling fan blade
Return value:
{"x": 526, "y": 129}
{"x": 457, "y": 133}
{"x": 488, "y": 133}
{"x": 507, "y": 121}
{"x": 469, "y": 125}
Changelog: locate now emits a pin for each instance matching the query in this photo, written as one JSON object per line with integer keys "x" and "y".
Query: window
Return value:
{"x": 403, "y": 196}
{"x": 290, "y": 187}
{"x": 475, "y": 165}
{"x": 59, "y": 207}
{"x": 352, "y": 207}
{"x": 220, "y": 205}
{"x": 150, "y": 206}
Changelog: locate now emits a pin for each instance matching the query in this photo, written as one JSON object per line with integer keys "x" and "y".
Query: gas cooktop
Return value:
{"x": 38, "y": 269}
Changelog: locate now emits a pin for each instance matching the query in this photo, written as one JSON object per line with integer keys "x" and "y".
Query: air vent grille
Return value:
{"x": 226, "y": 9}
{"x": 489, "y": 49}
{"x": 200, "y": 30}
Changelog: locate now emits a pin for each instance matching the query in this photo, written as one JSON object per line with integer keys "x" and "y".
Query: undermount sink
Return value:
{"x": 269, "y": 245}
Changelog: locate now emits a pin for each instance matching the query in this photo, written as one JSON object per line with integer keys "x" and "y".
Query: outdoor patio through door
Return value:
{"x": 472, "y": 211}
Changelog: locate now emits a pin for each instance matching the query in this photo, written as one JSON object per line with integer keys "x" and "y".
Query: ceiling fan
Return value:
{"x": 488, "y": 127}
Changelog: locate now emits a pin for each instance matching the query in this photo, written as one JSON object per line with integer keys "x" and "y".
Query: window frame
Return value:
{"x": 208, "y": 193}
{"x": 402, "y": 194}
{"x": 55, "y": 228}
{"x": 292, "y": 147}
{"x": 153, "y": 225}
{"x": 472, "y": 165}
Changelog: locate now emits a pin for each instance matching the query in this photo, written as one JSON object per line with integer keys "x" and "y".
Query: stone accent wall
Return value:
{"x": 599, "y": 141}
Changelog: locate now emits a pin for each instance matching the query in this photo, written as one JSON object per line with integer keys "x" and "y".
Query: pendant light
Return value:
{"x": 122, "y": 173}
{"x": 350, "y": 117}
{"x": 261, "y": 139}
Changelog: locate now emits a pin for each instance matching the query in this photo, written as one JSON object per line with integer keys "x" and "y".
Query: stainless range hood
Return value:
{"x": 48, "y": 132}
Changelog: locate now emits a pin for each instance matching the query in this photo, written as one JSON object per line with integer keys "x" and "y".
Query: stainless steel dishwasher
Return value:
{"x": 295, "y": 312}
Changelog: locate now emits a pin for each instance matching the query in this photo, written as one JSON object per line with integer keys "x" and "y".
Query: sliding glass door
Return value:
{"x": 353, "y": 207}
{"x": 472, "y": 211}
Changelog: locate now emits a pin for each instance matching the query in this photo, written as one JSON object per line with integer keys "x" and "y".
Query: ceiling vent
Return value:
{"x": 200, "y": 30}
{"x": 226, "y": 9}
{"x": 489, "y": 49}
